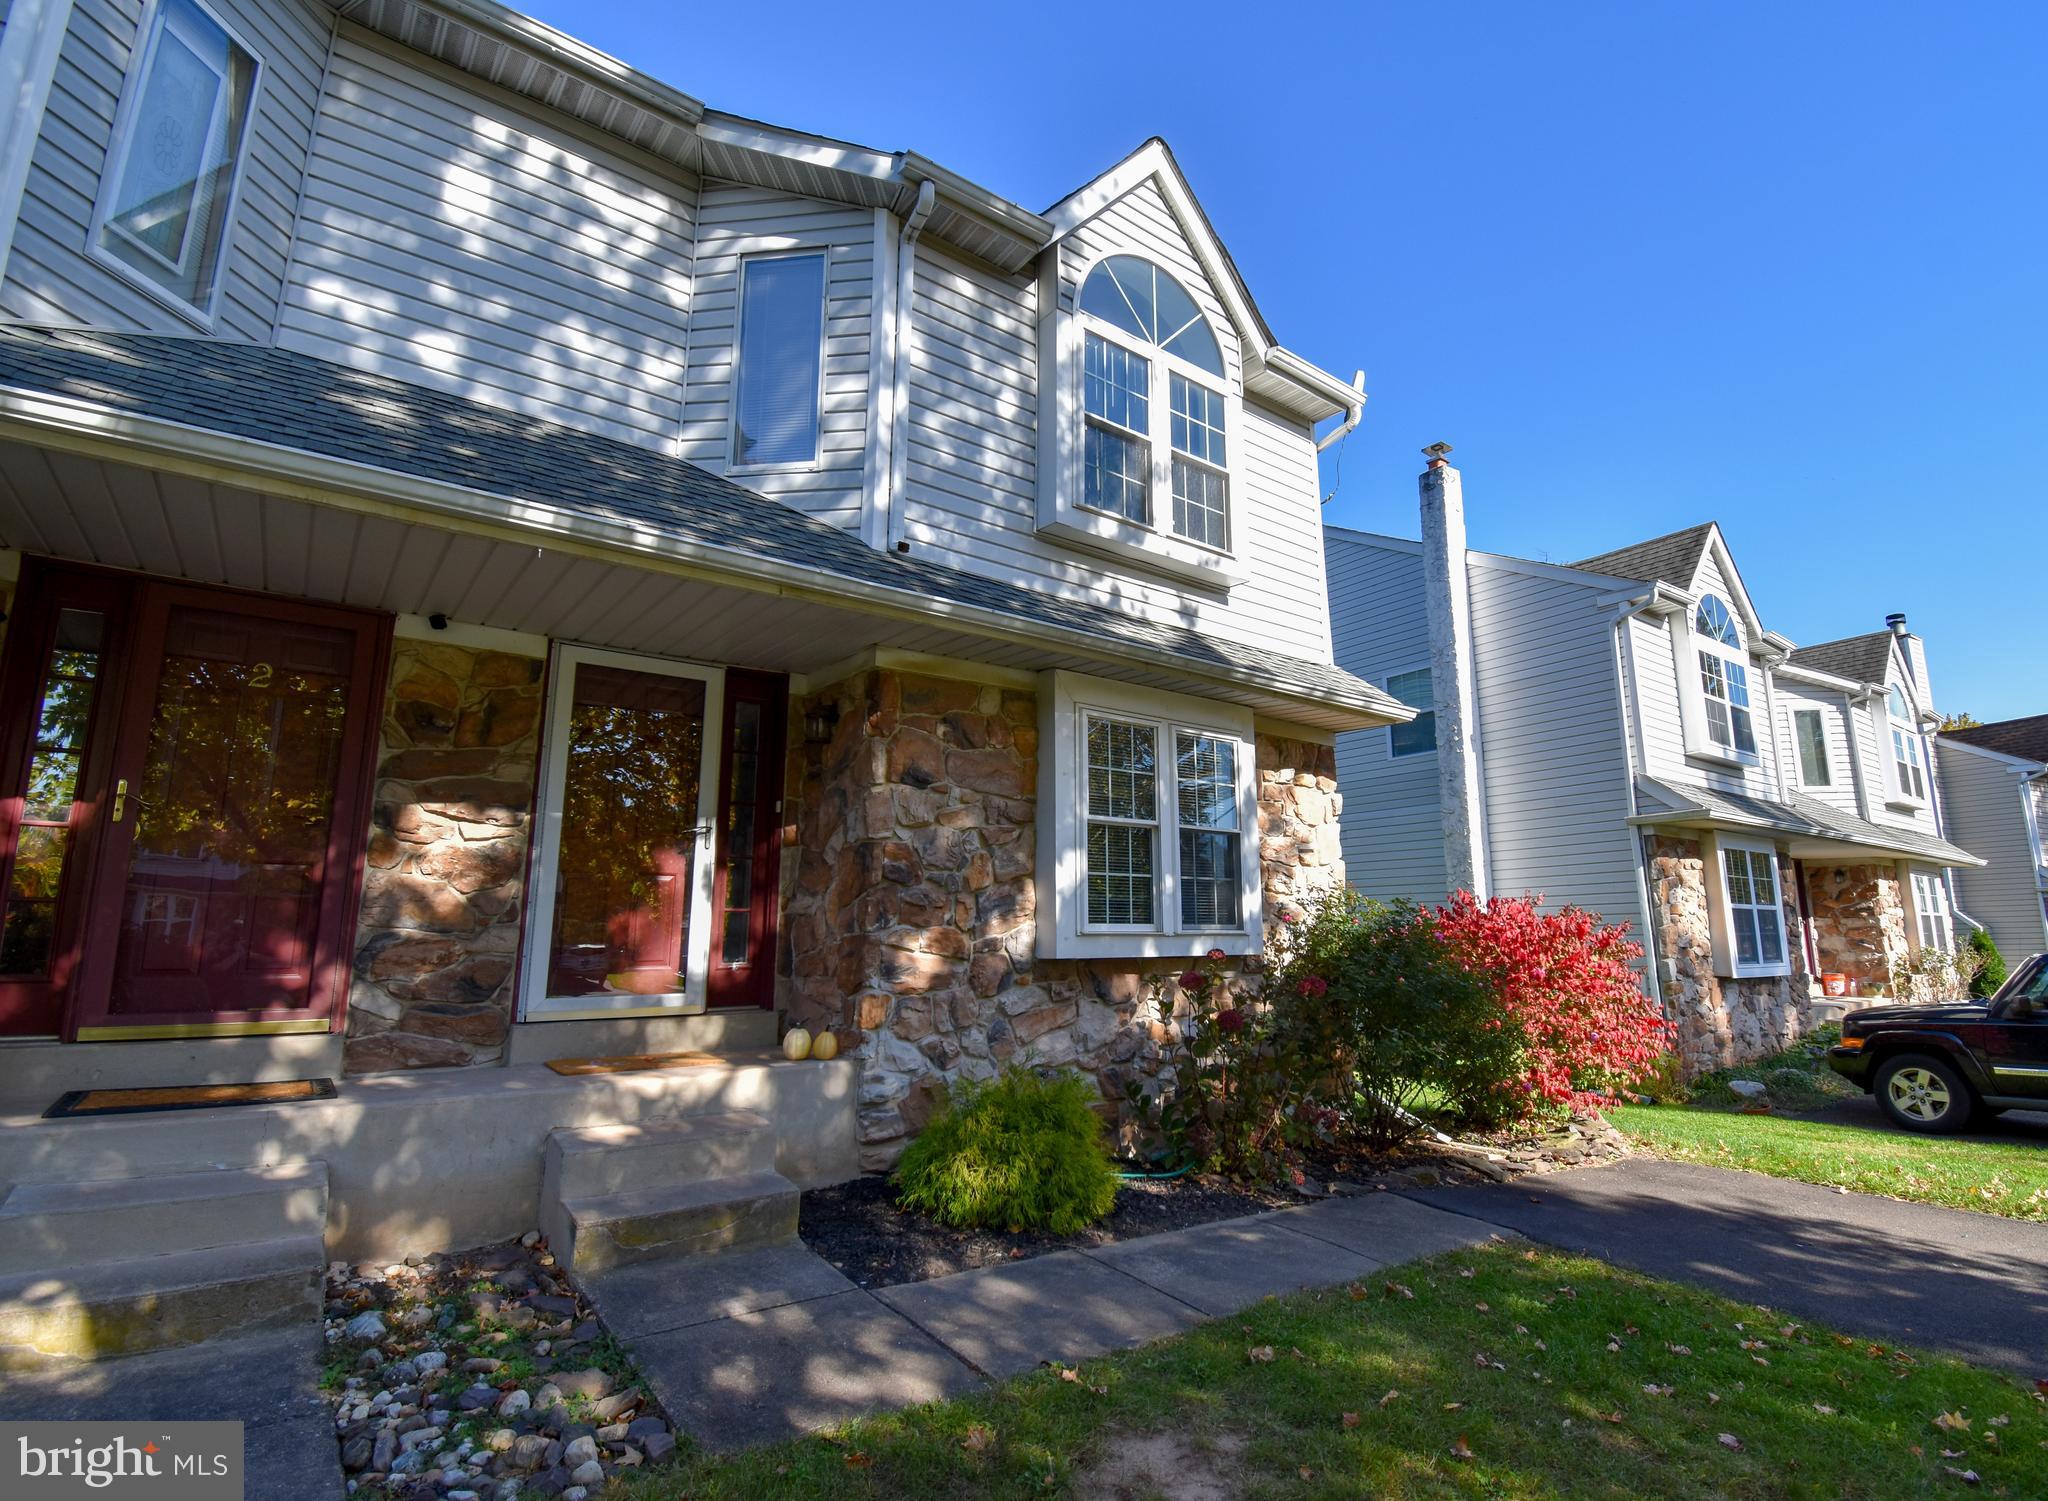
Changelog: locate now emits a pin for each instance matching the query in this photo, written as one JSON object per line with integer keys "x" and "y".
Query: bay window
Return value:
{"x": 173, "y": 167}
{"x": 1150, "y": 847}
{"x": 1932, "y": 924}
{"x": 1140, "y": 464}
{"x": 1752, "y": 940}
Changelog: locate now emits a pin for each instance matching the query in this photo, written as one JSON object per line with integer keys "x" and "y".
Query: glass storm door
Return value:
{"x": 622, "y": 881}
{"x": 749, "y": 844}
{"x": 229, "y": 841}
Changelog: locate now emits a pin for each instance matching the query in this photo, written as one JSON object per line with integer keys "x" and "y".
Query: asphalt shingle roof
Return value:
{"x": 2025, "y": 738}
{"x": 1799, "y": 815}
{"x": 293, "y": 400}
{"x": 1861, "y": 659}
{"x": 1672, "y": 559}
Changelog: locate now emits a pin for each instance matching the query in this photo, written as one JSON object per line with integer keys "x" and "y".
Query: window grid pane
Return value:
{"x": 1116, "y": 460}
{"x": 1120, "y": 875}
{"x": 1200, "y": 504}
{"x": 1208, "y": 879}
{"x": 1198, "y": 421}
{"x": 1116, "y": 385}
{"x": 1205, "y": 772}
{"x": 1418, "y": 736}
{"x": 1123, "y": 770}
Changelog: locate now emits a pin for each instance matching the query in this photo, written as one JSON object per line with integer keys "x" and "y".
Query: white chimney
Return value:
{"x": 1452, "y": 681}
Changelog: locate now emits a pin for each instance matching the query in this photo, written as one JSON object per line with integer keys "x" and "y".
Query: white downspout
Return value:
{"x": 899, "y": 417}
{"x": 1352, "y": 412}
{"x": 28, "y": 61}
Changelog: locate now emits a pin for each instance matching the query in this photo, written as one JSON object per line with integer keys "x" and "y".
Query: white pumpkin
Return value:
{"x": 825, "y": 1047}
{"x": 796, "y": 1044}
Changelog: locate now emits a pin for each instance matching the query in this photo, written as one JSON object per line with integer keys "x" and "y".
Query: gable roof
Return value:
{"x": 2025, "y": 738}
{"x": 1671, "y": 559}
{"x": 1860, "y": 659}
{"x": 372, "y": 430}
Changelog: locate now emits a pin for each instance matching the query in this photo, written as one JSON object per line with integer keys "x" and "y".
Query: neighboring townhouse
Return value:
{"x": 509, "y": 564}
{"x": 1994, "y": 791}
{"x": 1624, "y": 734}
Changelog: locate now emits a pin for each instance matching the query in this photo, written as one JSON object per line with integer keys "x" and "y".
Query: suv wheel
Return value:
{"x": 1924, "y": 1094}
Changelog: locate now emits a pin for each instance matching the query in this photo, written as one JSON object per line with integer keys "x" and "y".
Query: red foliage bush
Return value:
{"x": 1564, "y": 979}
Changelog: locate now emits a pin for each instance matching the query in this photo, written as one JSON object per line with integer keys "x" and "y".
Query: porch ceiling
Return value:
{"x": 92, "y": 510}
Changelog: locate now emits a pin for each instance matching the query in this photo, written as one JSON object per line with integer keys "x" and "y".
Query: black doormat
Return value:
{"x": 187, "y": 1097}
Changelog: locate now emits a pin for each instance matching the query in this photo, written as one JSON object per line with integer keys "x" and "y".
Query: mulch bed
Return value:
{"x": 858, "y": 1227}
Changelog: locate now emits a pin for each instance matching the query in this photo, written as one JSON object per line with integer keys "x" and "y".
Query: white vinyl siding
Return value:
{"x": 1985, "y": 802}
{"x": 1392, "y": 828}
{"x": 50, "y": 276}
{"x": 1553, "y": 757}
{"x": 733, "y": 223}
{"x": 448, "y": 241}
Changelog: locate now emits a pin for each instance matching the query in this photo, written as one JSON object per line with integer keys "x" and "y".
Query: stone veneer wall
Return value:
{"x": 910, "y": 907}
{"x": 1719, "y": 1021}
{"x": 438, "y": 934}
{"x": 1859, "y": 921}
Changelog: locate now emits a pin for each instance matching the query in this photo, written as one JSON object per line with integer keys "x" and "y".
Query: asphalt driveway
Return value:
{"x": 1972, "y": 1284}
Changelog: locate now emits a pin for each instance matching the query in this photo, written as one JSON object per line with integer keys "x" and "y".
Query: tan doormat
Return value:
{"x": 632, "y": 1063}
{"x": 187, "y": 1097}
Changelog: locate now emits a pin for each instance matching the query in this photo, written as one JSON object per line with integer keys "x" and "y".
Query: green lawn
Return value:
{"x": 2005, "y": 1178}
{"x": 1508, "y": 1374}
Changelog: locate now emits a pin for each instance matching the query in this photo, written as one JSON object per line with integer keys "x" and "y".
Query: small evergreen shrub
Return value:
{"x": 1991, "y": 970}
{"x": 1019, "y": 1153}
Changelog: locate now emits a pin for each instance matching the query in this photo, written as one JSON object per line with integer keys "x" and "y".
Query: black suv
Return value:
{"x": 1935, "y": 1068}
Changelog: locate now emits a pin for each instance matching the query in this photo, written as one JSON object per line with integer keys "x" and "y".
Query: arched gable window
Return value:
{"x": 1154, "y": 401}
{"x": 1908, "y": 776}
{"x": 1724, "y": 679}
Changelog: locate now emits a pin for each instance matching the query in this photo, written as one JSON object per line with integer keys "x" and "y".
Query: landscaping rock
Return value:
{"x": 1748, "y": 1089}
{"x": 365, "y": 1326}
{"x": 590, "y": 1384}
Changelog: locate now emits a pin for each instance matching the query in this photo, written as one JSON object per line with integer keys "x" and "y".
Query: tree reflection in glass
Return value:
{"x": 629, "y": 833}
{"x": 63, "y": 713}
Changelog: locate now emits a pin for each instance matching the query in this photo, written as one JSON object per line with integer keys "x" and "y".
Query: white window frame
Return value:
{"x": 149, "y": 34}
{"x": 1067, "y": 703}
{"x": 1688, "y": 646}
{"x": 750, "y": 257}
{"x": 1387, "y": 683}
{"x": 1152, "y": 544}
{"x": 1827, "y": 761}
{"x": 535, "y": 1004}
{"x": 1903, "y": 735}
{"x": 1722, "y": 908}
{"x": 1930, "y": 914}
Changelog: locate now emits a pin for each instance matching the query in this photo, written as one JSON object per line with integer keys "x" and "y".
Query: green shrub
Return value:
{"x": 1020, "y": 1153}
{"x": 1991, "y": 971}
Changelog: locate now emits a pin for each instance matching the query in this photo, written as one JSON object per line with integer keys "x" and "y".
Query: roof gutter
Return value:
{"x": 319, "y": 478}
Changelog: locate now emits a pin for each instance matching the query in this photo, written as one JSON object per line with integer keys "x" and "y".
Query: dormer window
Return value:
{"x": 1142, "y": 468}
{"x": 1909, "y": 780}
{"x": 1724, "y": 681}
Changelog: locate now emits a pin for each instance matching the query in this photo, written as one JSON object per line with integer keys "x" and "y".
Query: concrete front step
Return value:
{"x": 741, "y": 1212}
{"x": 157, "y": 1302}
{"x": 64, "y": 1225}
{"x": 597, "y": 1161}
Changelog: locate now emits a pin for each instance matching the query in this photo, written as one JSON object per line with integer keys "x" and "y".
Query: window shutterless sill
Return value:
{"x": 1157, "y": 552}
{"x": 1718, "y": 759}
{"x": 1144, "y": 945}
{"x": 1906, "y": 804}
{"x": 795, "y": 466}
{"x": 1778, "y": 973}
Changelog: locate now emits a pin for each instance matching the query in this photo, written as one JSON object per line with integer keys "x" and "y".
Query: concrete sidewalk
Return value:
{"x": 752, "y": 1347}
{"x": 1975, "y": 1285}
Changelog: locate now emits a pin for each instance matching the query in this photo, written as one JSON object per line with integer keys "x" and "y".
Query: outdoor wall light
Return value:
{"x": 819, "y": 723}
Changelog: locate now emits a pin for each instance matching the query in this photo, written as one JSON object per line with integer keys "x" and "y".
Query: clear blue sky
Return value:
{"x": 1781, "y": 266}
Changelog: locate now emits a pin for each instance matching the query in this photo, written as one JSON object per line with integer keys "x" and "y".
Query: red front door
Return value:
{"x": 222, "y": 801}
{"x": 744, "y": 892}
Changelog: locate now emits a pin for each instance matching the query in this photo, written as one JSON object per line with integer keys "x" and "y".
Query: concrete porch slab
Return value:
{"x": 653, "y": 1297}
{"x": 266, "y": 1382}
{"x": 1006, "y": 1320}
{"x": 1222, "y": 1267}
{"x": 759, "y": 1377}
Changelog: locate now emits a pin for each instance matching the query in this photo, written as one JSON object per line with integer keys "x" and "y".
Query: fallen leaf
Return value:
{"x": 1388, "y": 1399}
{"x": 1454, "y": 1407}
{"x": 1260, "y": 1354}
{"x": 1460, "y": 1449}
{"x": 1350, "y": 1420}
{"x": 1541, "y": 1345}
{"x": 1356, "y": 1292}
{"x": 979, "y": 1437}
{"x": 1759, "y": 1360}
{"x": 1070, "y": 1373}
{"x": 1823, "y": 1409}
{"x": 1968, "y": 1477}
{"x": 2000, "y": 1421}
{"x": 1610, "y": 1417}
{"x": 1396, "y": 1290}
{"x": 1614, "y": 1347}
{"x": 1954, "y": 1422}
{"x": 858, "y": 1460}
{"x": 1296, "y": 1353}
{"x": 1679, "y": 1349}
{"x": 1754, "y": 1344}
{"x": 1486, "y": 1362}
{"x": 1465, "y": 1271}
{"x": 1655, "y": 1390}
{"x": 1712, "y": 1398}
{"x": 1307, "y": 1473}
{"x": 1730, "y": 1441}
{"x": 1482, "y": 1308}
{"x": 1951, "y": 1454}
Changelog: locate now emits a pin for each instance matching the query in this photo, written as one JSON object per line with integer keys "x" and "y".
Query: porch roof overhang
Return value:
{"x": 1810, "y": 829}
{"x": 530, "y": 526}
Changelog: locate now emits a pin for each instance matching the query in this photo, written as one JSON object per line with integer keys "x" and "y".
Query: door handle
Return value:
{"x": 121, "y": 796}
